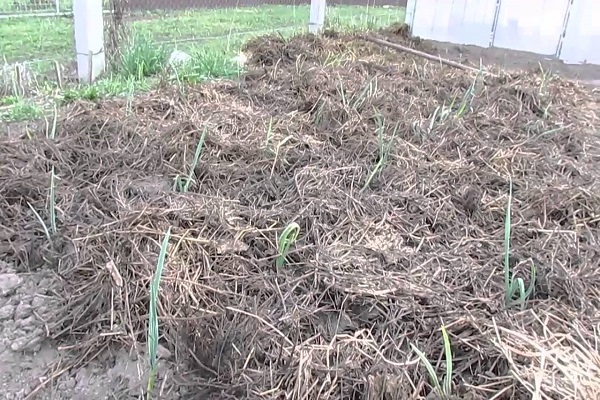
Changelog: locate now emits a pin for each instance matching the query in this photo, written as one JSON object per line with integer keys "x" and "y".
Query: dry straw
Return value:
{"x": 376, "y": 270}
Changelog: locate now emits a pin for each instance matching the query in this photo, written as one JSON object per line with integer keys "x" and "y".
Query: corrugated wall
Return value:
{"x": 528, "y": 25}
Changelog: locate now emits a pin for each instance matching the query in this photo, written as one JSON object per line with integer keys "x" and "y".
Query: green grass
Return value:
{"x": 143, "y": 58}
{"x": 216, "y": 36}
{"x": 24, "y": 39}
{"x": 52, "y": 38}
{"x": 20, "y": 110}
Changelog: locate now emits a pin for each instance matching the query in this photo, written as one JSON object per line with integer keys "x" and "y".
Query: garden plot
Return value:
{"x": 325, "y": 227}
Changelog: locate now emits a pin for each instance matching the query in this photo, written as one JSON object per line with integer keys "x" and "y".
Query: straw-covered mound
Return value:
{"x": 400, "y": 190}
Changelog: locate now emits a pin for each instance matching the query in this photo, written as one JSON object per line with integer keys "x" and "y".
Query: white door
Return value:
{"x": 530, "y": 25}
{"x": 581, "y": 43}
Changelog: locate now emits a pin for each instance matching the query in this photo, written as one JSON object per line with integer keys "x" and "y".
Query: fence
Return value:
{"x": 49, "y": 8}
{"x": 32, "y": 7}
{"x": 179, "y": 24}
{"x": 227, "y": 18}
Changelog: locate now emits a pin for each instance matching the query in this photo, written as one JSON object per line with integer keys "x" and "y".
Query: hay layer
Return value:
{"x": 375, "y": 268}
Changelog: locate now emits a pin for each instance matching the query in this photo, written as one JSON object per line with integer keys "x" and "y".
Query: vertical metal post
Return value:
{"x": 561, "y": 38}
{"x": 316, "y": 21}
{"x": 409, "y": 17}
{"x": 89, "y": 39}
{"x": 495, "y": 23}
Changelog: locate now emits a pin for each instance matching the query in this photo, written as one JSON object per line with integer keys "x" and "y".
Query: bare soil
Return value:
{"x": 383, "y": 259}
{"x": 513, "y": 60}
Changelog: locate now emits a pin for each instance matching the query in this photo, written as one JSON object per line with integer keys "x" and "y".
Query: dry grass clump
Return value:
{"x": 393, "y": 185}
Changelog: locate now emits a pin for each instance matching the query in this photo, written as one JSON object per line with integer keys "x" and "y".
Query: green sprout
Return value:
{"x": 469, "y": 95}
{"x": 514, "y": 287}
{"x": 440, "y": 114}
{"x": 182, "y": 184}
{"x": 41, "y": 220}
{"x": 288, "y": 237}
{"x": 51, "y": 210}
{"x": 444, "y": 390}
{"x": 269, "y": 135}
{"x": 52, "y": 203}
{"x": 369, "y": 91}
{"x": 384, "y": 151}
{"x": 546, "y": 78}
{"x": 51, "y": 130}
{"x": 153, "y": 316}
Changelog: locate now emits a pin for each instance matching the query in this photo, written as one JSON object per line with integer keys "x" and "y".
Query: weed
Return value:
{"x": 288, "y": 237}
{"x": 9, "y": 100}
{"x": 318, "y": 110}
{"x": 22, "y": 110}
{"x": 153, "y": 315}
{"x": 143, "y": 58}
{"x": 207, "y": 63}
{"x": 514, "y": 287}
{"x": 357, "y": 100}
{"x": 197, "y": 154}
{"x": 445, "y": 390}
{"x": 365, "y": 20}
{"x": 91, "y": 93}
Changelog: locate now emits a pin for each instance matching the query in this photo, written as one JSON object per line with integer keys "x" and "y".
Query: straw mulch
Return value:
{"x": 373, "y": 270}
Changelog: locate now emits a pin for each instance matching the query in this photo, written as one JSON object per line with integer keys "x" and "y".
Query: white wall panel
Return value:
{"x": 456, "y": 21}
{"x": 531, "y": 25}
{"x": 582, "y": 39}
{"x": 527, "y": 25}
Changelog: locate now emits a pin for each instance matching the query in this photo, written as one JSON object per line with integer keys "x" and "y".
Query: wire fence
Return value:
{"x": 29, "y": 7}
{"x": 26, "y": 8}
{"x": 153, "y": 5}
{"x": 45, "y": 47}
{"x": 180, "y": 21}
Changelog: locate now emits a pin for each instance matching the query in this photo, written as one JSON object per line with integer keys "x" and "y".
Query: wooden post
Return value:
{"x": 88, "y": 22}
{"x": 317, "y": 16}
